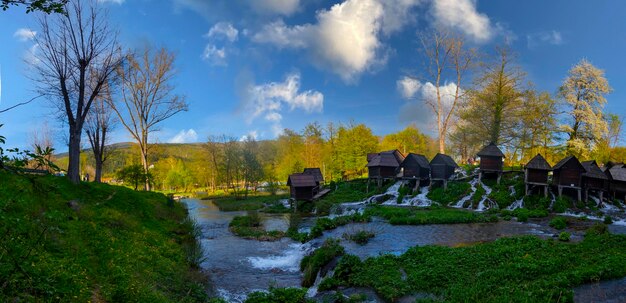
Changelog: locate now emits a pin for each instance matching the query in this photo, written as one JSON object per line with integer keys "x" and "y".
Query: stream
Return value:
{"x": 238, "y": 266}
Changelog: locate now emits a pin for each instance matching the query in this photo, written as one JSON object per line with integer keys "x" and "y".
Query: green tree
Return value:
{"x": 133, "y": 175}
{"x": 409, "y": 140}
{"x": 583, "y": 93}
{"x": 354, "y": 142}
{"x": 46, "y": 6}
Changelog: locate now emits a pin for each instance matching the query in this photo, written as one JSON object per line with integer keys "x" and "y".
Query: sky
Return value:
{"x": 253, "y": 68}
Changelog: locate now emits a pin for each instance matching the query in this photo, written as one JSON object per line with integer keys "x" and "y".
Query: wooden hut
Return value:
{"x": 594, "y": 179}
{"x": 568, "y": 174}
{"x": 316, "y": 173}
{"x": 491, "y": 161}
{"x": 302, "y": 186}
{"x": 536, "y": 174}
{"x": 617, "y": 180}
{"x": 415, "y": 167}
{"x": 442, "y": 168}
{"x": 384, "y": 165}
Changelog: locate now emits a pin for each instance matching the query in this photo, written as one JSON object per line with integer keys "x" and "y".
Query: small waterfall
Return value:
{"x": 312, "y": 291}
{"x": 517, "y": 203}
{"x": 553, "y": 200}
{"x": 391, "y": 191}
{"x": 481, "y": 204}
{"x": 461, "y": 202}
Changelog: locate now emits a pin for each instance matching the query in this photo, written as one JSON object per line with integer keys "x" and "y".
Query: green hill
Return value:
{"x": 94, "y": 242}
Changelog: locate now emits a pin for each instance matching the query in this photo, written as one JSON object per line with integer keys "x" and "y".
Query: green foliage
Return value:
{"x": 561, "y": 204}
{"x": 536, "y": 202}
{"x": 564, "y": 236}
{"x": 403, "y": 191}
{"x": 519, "y": 269}
{"x": 251, "y": 202}
{"x": 456, "y": 191}
{"x": 360, "y": 237}
{"x": 249, "y": 227}
{"x": 597, "y": 229}
{"x": 108, "y": 242}
{"x": 279, "y": 295}
{"x": 323, "y": 224}
{"x": 133, "y": 175}
{"x": 558, "y": 223}
{"x": 311, "y": 264}
{"x": 421, "y": 216}
{"x": 46, "y": 6}
{"x": 352, "y": 191}
{"x": 608, "y": 220}
{"x": 478, "y": 195}
{"x": 501, "y": 193}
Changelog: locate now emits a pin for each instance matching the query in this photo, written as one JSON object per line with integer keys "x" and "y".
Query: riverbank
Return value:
{"x": 95, "y": 242}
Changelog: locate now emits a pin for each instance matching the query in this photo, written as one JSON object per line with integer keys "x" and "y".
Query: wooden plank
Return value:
{"x": 322, "y": 193}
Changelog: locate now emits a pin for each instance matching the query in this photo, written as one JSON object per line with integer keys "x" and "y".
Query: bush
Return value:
{"x": 564, "y": 236}
{"x": 454, "y": 193}
{"x": 522, "y": 217}
{"x": 311, "y": 264}
{"x": 558, "y": 223}
{"x": 561, "y": 204}
{"x": 360, "y": 237}
{"x": 608, "y": 220}
{"x": 283, "y": 295}
{"x": 597, "y": 229}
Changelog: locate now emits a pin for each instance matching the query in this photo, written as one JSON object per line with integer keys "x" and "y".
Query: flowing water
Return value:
{"x": 239, "y": 266}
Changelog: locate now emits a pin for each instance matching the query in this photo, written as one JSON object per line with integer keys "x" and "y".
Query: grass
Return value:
{"x": 520, "y": 269}
{"x": 501, "y": 193}
{"x": 350, "y": 191}
{"x": 249, "y": 227}
{"x": 94, "y": 242}
{"x": 324, "y": 224}
{"x": 254, "y": 202}
{"x": 455, "y": 192}
{"x": 360, "y": 237}
{"x": 313, "y": 263}
{"x": 558, "y": 223}
{"x": 283, "y": 295}
{"x": 431, "y": 215}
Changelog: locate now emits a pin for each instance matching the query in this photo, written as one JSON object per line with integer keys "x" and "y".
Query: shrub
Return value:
{"x": 454, "y": 193}
{"x": 522, "y": 217}
{"x": 558, "y": 223}
{"x": 561, "y": 204}
{"x": 284, "y": 295}
{"x": 360, "y": 237}
{"x": 564, "y": 236}
{"x": 311, "y": 264}
{"x": 597, "y": 229}
{"x": 608, "y": 220}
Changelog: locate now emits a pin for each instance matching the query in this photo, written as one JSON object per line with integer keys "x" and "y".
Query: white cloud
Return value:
{"x": 417, "y": 94}
{"x": 252, "y": 135}
{"x": 223, "y": 30}
{"x": 278, "y": 7}
{"x": 214, "y": 55}
{"x": 185, "y": 136}
{"x": 408, "y": 86}
{"x": 462, "y": 15}
{"x": 268, "y": 100}
{"x": 24, "y": 34}
{"x": 547, "y": 37}
{"x": 346, "y": 37}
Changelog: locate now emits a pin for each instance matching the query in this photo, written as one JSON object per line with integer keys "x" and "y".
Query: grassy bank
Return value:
{"x": 252, "y": 202}
{"x": 94, "y": 242}
{"x": 455, "y": 192}
{"x": 430, "y": 215}
{"x": 350, "y": 191}
{"x": 521, "y": 269}
{"x": 249, "y": 227}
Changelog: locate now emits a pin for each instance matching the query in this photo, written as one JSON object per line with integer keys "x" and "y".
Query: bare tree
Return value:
{"x": 78, "y": 52}
{"x": 99, "y": 124}
{"x": 148, "y": 96}
{"x": 447, "y": 55}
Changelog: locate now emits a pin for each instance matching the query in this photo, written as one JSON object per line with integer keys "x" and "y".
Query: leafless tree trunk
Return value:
{"x": 99, "y": 124}
{"x": 148, "y": 96}
{"x": 446, "y": 52}
{"x": 78, "y": 52}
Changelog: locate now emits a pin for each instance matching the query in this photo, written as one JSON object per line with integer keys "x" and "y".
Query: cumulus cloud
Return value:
{"x": 185, "y": 136}
{"x": 223, "y": 30}
{"x": 278, "y": 7}
{"x": 346, "y": 38}
{"x": 547, "y": 37}
{"x": 24, "y": 34}
{"x": 417, "y": 95}
{"x": 408, "y": 86}
{"x": 462, "y": 15}
{"x": 268, "y": 100}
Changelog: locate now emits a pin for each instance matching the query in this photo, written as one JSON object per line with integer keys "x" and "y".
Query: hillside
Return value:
{"x": 94, "y": 242}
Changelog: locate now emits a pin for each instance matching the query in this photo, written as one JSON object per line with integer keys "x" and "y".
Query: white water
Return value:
{"x": 420, "y": 200}
{"x": 516, "y": 204}
{"x": 460, "y": 203}
{"x": 289, "y": 260}
{"x": 481, "y": 205}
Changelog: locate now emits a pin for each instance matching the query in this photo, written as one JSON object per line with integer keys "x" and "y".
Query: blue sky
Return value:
{"x": 255, "y": 67}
